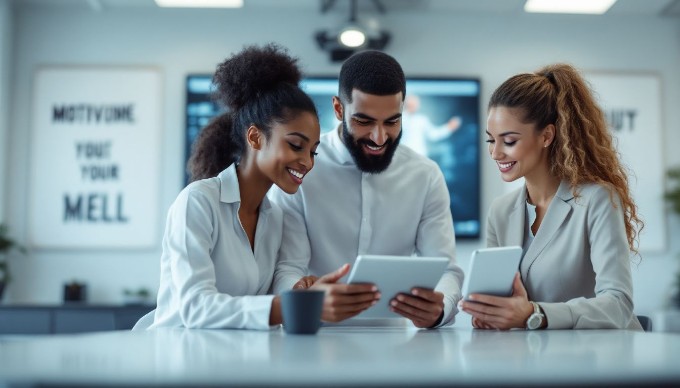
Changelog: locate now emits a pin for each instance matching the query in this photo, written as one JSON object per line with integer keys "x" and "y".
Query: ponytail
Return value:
{"x": 583, "y": 149}
{"x": 216, "y": 148}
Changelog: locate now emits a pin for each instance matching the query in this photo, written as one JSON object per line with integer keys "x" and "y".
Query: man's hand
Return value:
{"x": 344, "y": 301}
{"x": 423, "y": 307}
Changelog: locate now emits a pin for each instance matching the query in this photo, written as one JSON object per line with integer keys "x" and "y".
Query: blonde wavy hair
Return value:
{"x": 583, "y": 150}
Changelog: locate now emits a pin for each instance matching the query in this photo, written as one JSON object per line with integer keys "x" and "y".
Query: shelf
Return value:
{"x": 68, "y": 318}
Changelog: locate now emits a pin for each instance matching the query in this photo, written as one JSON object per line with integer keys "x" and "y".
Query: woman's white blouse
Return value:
{"x": 210, "y": 277}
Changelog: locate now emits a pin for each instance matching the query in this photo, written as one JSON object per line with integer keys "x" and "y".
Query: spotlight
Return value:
{"x": 338, "y": 51}
{"x": 344, "y": 42}
{"x": 352, "y": 36}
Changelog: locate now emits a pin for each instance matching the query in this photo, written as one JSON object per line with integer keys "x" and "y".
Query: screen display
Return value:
{"x": 440, "y": 120}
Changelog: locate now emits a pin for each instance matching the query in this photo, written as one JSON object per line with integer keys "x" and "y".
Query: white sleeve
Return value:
{"x": 436, "y": 237}
{"x": 295, "y": 251}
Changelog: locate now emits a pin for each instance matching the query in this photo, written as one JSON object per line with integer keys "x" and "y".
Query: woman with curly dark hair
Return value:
{"x": 222, "y": 234}
{"x": 574, "y": 217}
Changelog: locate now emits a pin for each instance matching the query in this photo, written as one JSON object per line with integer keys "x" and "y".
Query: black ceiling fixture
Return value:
{"x": 353, "y": 36}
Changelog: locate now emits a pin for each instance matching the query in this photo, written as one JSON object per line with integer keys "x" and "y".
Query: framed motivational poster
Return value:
{"x": 95, "y": 157}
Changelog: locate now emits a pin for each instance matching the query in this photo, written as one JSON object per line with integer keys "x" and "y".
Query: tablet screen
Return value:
{"x": 492, "y": 271}
{"x": 393, "y": 275}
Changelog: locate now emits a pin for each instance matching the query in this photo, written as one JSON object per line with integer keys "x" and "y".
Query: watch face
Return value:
{"x": 534, "y": 322}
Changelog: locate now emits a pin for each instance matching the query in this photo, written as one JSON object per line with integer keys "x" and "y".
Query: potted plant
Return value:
{"x": 7, "y": 244}
{"x": 673, "y": 197}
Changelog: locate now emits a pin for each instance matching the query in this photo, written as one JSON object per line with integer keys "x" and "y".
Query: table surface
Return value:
{"x": 343, "y": 356}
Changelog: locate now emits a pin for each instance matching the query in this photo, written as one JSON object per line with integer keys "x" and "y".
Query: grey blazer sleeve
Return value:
{"x": 604, "y": 240}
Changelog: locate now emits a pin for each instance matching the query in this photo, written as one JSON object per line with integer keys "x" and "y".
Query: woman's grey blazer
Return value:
{"x": 578, "y": 266}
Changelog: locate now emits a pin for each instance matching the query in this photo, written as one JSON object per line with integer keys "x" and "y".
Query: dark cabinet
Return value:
{"x": 68, "y": 318}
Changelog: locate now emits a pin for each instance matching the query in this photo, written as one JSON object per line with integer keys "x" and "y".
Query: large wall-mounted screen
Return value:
{"x": 440, "y": 121}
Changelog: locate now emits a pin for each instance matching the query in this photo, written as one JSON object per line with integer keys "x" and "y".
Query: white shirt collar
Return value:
{"x": 230, "y": 190}
{"x": 336, "y": 143}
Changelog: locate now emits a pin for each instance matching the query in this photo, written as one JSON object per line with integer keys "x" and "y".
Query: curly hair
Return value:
{"x": 371, "y": 72}
{"x": 208, "y": 157}
{"x": 259, "y": 87}
{"x": 253, "y": 72}
{"x": 583, "y": 150}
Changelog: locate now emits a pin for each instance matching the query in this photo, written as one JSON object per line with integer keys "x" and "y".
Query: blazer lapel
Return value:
{"x": 516, "y": 220}
{"x": 557, "y": 213}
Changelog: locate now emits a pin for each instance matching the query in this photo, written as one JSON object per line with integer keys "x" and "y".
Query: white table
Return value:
{"x": 343, "y": 356}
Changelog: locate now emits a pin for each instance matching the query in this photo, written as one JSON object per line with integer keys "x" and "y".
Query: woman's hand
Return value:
{"x": 477, "y": 324}
{"x": 305, "y": 282}
{"x": 497, "y": 312}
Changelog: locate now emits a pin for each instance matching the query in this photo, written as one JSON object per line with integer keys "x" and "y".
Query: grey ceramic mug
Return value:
{"x": 302, "y": 311}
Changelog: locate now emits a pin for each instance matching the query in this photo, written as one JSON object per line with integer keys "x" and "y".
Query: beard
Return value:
{"x": 372, "y": 164}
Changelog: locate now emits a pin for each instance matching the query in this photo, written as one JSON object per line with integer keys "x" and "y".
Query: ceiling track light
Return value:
{"x": 352, "y": 37}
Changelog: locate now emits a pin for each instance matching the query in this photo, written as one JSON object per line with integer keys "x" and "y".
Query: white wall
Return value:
{"x": 491, "y": 47}
{"x": 6, "y": 29}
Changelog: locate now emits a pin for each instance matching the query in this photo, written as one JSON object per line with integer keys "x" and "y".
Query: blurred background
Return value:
{"x": 484, "y": 40}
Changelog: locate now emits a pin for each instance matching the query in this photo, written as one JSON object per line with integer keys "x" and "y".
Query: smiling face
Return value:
{"x": 518, "y": 148}
{"x": 288, "y": 155}
{"x": 371, "y": 128}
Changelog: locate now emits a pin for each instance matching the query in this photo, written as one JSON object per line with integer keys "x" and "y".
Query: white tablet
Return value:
{"x": 393, "y": 275}
{"x": 492, "y": 271}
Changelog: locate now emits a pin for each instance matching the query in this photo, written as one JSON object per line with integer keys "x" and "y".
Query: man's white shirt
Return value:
{"x": 340, "y": 212}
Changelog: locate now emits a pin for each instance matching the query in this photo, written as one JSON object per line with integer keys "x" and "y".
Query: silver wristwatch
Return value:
{"x": 535, "y": 320}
